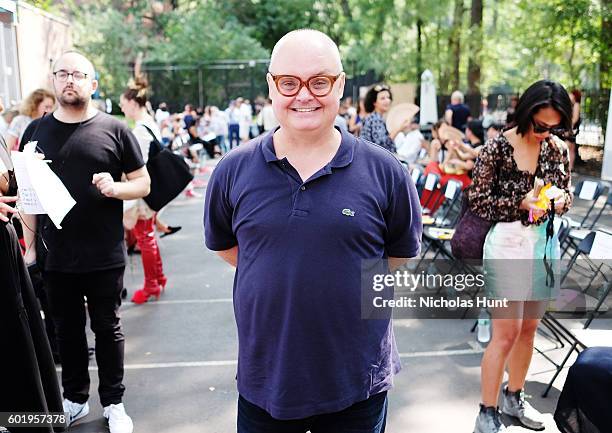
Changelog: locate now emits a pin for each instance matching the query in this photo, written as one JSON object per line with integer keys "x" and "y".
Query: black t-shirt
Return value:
{"x": 91, "y": 237}
{"x": 461, "y": 112}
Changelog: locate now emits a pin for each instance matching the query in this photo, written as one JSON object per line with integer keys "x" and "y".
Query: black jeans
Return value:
{"x": 103, "y": 292}
{"x": 368, "y": 416}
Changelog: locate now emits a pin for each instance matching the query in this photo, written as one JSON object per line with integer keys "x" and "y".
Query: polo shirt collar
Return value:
{"x": 343, "y": 157}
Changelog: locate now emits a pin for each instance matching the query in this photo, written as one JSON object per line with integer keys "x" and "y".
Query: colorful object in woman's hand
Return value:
{"x": 546, "y": 194}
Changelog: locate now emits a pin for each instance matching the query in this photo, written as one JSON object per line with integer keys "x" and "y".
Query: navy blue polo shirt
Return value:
{"x": 303, "y": 347}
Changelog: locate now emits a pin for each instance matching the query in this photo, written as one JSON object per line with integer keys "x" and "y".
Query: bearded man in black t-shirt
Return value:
{"x": 89, "y": 152}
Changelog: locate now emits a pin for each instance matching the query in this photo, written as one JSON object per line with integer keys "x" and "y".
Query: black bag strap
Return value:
{"x": 155, "y": 146}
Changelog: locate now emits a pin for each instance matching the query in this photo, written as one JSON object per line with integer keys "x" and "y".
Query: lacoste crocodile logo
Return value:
{"x": 348, "y": 212}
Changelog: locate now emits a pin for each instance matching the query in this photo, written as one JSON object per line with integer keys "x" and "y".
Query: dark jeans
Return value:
{"x": 368, "y": 416}
{"x": 234, "y": 134}
{"x": 103, "y": 292}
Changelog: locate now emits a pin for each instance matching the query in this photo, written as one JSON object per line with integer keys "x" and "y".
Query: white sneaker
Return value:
{"x": 118, "y": 420}
{"x": 75, "y": 410}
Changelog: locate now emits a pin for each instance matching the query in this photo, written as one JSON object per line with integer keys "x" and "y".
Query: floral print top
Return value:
{"x": 499, "y": 185}
{"x": 374, "y": 129}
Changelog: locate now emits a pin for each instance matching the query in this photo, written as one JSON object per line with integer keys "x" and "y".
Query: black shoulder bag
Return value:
{"x": 169, "y": 174}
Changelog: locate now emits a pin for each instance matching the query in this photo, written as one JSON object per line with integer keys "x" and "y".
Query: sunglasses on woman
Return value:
{"x": 539, "y": 129}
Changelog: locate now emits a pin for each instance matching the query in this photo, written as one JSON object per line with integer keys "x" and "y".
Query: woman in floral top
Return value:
{"x": 518, "y": 254}
{"x": 377, "y": 102}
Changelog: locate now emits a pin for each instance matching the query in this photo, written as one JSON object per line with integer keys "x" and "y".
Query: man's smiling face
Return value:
{"x": 305, "y": 55}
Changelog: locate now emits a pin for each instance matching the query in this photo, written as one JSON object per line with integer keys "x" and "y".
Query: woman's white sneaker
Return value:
{"x": 514, "y": 405}
{"x": 118, "y": 420}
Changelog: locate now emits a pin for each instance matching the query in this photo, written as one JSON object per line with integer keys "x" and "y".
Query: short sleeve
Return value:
{"x": 27, "y": 134}
{"x": 218, "y": 212}
{"x": 403, "y": 219}
{"x": 131, "y": 158}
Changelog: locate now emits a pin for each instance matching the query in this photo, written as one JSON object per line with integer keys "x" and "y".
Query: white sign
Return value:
{"x": 587, "y": 192}
{"x": 430, "y": 183}
{"x": 451, "y": 189}
{"x": 602, "y": 247}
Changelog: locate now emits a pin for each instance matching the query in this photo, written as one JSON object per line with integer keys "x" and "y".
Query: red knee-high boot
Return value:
{"x": 145, "y": 236}
{"x": 161, "y": 278}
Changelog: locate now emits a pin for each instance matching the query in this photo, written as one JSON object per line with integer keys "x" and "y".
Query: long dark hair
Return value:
{"x": 542, "y": 94}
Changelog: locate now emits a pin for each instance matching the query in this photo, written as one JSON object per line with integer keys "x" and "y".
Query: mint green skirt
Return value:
{"x": 514, "y": 264}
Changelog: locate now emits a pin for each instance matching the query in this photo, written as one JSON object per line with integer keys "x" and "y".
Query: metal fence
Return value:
{"x": 594, "y": 104}
{"x": 213, "y": 83}
{"x": 216, "y": 83}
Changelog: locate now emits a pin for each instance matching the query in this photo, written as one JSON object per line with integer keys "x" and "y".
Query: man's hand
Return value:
{"x": 230, "y": 256}
{"x": 105, "y": 184}
{"x": 5, "y": 209}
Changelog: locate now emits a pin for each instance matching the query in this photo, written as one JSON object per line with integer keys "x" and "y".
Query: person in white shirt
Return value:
{"x": 161, "y": 113}
{"x": 246, "y": 118}
{"x": 233, "y": 115}
{"x": 137, "y": 215}
{"x": 219, "y": 125}
{"x": 409, "y": 143}
{"x": 268, "y": 117}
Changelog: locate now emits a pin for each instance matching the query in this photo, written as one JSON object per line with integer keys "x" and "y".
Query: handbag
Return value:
{"x": 169, "y": 174}
{"x": 468, "y": 240}
{"x": 471, "y": 232}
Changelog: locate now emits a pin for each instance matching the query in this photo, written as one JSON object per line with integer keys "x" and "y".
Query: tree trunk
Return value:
{"x": 475, "y": 47}
{"x": 346, "y": 9}
{"x": 605, "y": 80}
{"x": 440, "y": 64}
{"x": 454, "y": 42}
{"x": 419, "y": 59}
{"x": 570, "y": 60}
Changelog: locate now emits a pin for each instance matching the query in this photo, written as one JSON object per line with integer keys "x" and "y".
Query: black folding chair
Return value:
{"x": 587, "y": 191}
{"x": 580, "y": 339}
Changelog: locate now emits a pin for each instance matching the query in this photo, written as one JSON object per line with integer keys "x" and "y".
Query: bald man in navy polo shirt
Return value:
{"x": 297, "y": 211}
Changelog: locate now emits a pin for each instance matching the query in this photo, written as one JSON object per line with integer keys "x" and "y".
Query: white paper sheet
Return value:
{"x": 602, "y": 247}
{"x": 28, "y": 199}
{"x": 40, "y": 190}
{"x": 430, "y": 183}
{"x": 52, "y": 193}
{"x": 588, "y": 190}
{"x": 451, "y": 189}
